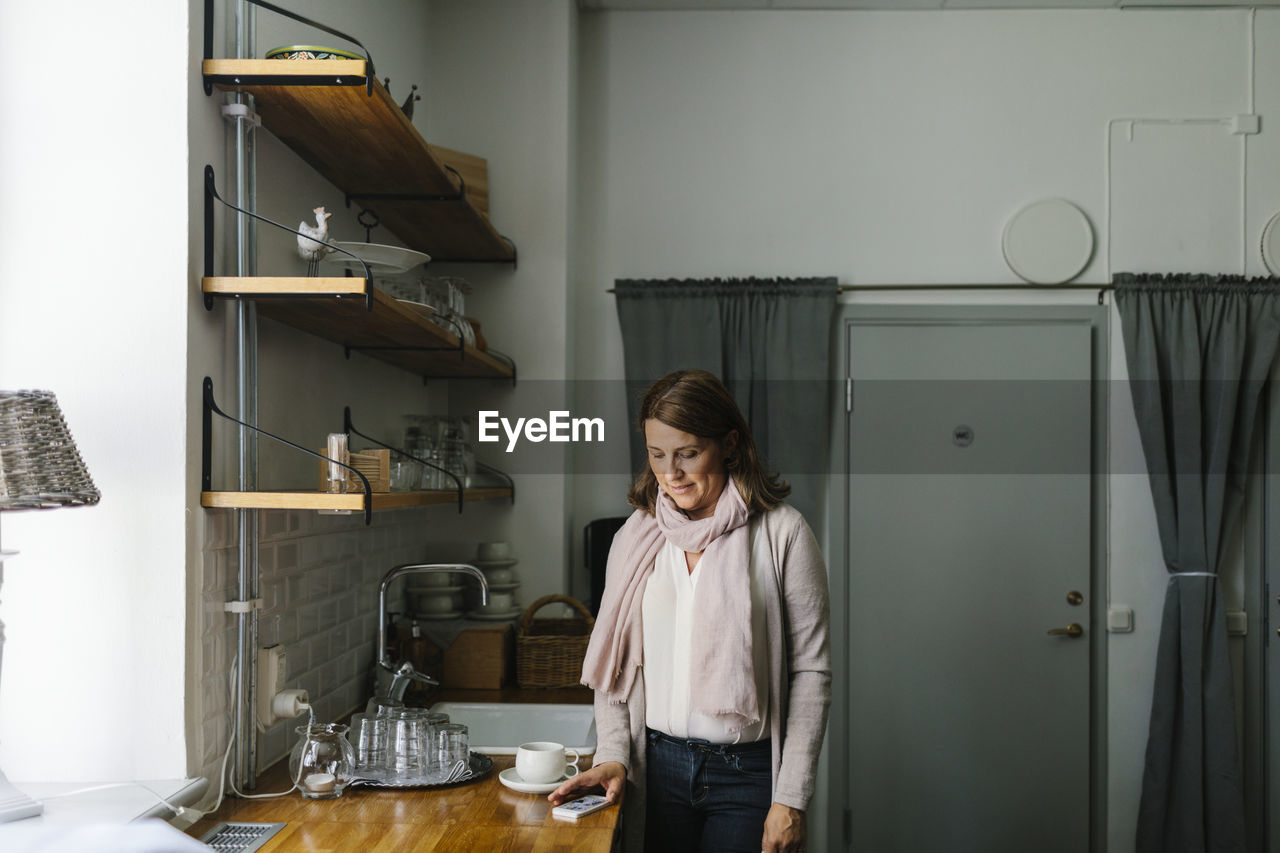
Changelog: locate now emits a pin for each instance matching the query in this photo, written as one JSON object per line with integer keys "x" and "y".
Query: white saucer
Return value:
{"x": 504, "y": 587}
{"x": 439, "y": 617}
{"x": 495, "y": 617}
{"x": 512, "y": 780}
{"x": 493, "y": 564}
{"x": 432, "y": 590}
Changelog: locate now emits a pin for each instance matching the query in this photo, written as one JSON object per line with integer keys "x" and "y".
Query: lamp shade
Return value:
{"x": 40, "y": 467}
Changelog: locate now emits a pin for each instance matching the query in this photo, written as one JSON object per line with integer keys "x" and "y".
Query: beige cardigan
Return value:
{"x": 797, "y": 616}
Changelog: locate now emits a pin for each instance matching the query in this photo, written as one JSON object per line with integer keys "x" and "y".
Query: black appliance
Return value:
{"x": 597, "y": 538}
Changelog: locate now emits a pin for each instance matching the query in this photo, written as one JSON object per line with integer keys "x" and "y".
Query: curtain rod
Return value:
{"x": 844, "y": 288}
{"x": 848, "y": 288}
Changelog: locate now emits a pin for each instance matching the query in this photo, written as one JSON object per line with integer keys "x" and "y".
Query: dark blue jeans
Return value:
{"x": 706, "y": 797}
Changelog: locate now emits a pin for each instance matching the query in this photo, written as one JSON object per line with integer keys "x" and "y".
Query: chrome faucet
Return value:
{"x": 403, "y": 672}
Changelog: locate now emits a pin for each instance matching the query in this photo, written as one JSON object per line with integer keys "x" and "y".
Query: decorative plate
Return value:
{"x": 1048, "y": 242}
{"x": 379, "y": 257}
{"x": 310, "y": 51}
{"x": 1271, "y": 245}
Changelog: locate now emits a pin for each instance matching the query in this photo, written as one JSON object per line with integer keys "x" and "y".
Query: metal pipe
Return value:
{"x": 246, "y": 736}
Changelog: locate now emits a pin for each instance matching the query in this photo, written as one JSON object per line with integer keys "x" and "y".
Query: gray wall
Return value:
{"x": 892, "y": 148}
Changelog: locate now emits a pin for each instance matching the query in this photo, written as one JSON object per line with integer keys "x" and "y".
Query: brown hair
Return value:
{"x": 696, "y": 402}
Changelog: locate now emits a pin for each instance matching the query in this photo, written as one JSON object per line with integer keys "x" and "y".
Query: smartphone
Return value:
{"x": 575, "y": 809}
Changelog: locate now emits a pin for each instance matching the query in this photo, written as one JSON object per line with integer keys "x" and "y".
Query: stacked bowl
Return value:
{"x": 497, "y": 563}
{"x": 436, "y": 595}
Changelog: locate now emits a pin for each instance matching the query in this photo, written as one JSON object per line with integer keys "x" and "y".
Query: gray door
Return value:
{"x": 968, "y": 542}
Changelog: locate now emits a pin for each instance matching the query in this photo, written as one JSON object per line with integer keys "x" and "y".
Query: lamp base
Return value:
{"x": 15, "y": 805}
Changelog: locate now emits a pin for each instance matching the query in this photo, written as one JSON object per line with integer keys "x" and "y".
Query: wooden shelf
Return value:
{"x": 350, "y": 501}
{"x": 366, "y": 146}
{"x": 398, "y": 333}
{"x": 266, "y": 286}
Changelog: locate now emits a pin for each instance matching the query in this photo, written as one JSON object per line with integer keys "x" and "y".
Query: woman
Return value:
{"x": 709, "y": 658}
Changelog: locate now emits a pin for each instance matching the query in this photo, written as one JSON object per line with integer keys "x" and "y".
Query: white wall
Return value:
{"x": 892, "y": 148}
{"x": 500, "y": 88}
{"x": 93, "y": 308}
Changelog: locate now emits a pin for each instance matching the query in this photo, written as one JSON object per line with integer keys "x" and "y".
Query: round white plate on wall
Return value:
{"x": 1271, "y": 246}
{"x": 1048, "y": 242}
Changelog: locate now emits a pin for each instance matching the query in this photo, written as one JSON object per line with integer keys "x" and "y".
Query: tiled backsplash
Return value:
{"x": 318, "y": 581}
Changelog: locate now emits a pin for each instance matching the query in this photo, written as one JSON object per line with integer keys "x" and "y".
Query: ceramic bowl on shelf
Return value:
{"x": 499, "y": 577}
{"x": 492, "y": 552}
{"x": 434, "y": 600}
{"x": 436, "y": 579}
{"x": 310, "y": 51}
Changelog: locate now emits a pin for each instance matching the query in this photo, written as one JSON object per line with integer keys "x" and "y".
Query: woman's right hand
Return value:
{"x": 610, "y": 775}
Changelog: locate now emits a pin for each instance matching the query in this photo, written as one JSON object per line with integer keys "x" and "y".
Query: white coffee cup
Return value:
{"x": 541, "y": 762}
{"x": 488, "y": 552}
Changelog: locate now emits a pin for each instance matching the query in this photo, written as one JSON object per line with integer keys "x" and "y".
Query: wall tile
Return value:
{"x": 319, "y": 578}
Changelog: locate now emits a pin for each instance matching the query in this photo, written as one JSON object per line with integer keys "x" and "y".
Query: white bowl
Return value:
{"x": 491, "y": 551}
{"x": 499, "y": 576}
{"x": 425, "y": 601}
{"x": 499, "y": 602}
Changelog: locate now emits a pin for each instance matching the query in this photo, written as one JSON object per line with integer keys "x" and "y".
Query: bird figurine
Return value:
{"x": 309, "y": 249}
{"x": 407, "y": 106}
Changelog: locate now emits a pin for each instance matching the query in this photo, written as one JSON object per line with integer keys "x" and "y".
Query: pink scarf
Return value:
{"x": 721, "y": 664}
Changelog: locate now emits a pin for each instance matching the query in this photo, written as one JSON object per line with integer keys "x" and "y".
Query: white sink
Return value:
{"x": 497, "y": 728}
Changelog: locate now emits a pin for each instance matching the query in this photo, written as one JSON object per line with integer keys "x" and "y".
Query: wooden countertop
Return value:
{"x": 483, "y": 816}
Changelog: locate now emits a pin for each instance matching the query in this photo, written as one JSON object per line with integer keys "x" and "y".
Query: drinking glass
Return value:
{"x": 452, "y": 747}
{"x": 408, "y": 747}
{"x": 371, "y": 743}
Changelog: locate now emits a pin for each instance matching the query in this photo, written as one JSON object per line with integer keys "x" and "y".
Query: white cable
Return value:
{"x": 1244, "y": 152}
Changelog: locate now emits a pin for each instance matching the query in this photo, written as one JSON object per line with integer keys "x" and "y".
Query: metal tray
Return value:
{"x": 480, "y": 765}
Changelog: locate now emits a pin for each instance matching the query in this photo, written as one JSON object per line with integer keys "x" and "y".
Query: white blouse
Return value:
{"x": 668, "y": 611}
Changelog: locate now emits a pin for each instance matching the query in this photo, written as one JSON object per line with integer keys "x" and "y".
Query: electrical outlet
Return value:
{"x": 271, "y": 673}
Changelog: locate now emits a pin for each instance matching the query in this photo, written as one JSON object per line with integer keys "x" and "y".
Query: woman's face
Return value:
{"x": 690, "y": 468}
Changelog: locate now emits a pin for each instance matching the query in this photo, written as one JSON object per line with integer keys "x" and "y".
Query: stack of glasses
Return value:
{"x": 444, "y": 443}
{"x": 410, "y": 746}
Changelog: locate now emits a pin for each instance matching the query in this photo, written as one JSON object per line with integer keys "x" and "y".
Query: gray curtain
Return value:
{"x": 1199, "y": 351}
{"x": 767, "y": 339}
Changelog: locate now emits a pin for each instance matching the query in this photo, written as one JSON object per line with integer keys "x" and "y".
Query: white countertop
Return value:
{"x": 69, "y": 803}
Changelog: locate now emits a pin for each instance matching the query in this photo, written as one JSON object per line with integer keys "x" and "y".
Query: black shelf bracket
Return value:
{"x": 460, "y": 349}
{"x": 211, "y": 194}
{"x": 511, "y": 484}
{"x": 459, "y": 194}
{"x": 505, "y": 359}
{"x": 210, "y": 408}
{"x": 300, "y": 79}
{"x": 515, "y": 256}
{"x": 349, "y": 428}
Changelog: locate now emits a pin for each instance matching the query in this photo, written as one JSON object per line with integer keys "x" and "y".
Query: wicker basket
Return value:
{"x": 549, "y": 652}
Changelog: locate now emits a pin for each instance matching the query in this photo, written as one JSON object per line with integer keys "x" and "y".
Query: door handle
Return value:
{"x": 1072, "y": 630}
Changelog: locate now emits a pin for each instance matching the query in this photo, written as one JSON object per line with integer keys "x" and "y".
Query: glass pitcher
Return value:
{"x": 322, "y": 761}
